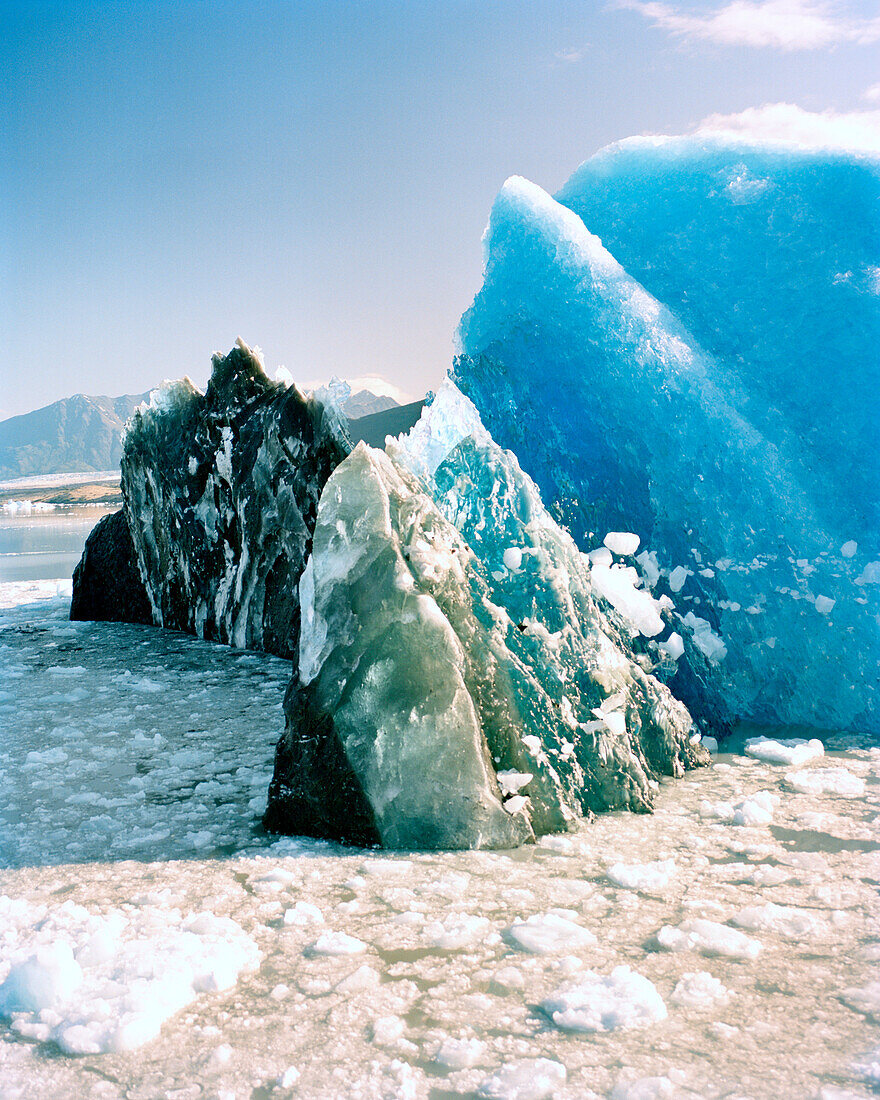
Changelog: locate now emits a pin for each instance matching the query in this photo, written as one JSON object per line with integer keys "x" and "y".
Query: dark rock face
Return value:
{"x": 107, "y": 586}
{"x": 221, "y": 491}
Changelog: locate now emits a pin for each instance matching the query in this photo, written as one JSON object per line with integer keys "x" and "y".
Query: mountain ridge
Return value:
{"x": 82, "y": 433}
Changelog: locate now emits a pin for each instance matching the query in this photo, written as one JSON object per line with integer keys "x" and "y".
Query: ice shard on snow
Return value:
{"x": 706, "y": 377}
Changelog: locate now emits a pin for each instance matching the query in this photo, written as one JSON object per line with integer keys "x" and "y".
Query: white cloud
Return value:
{"x": 570, "y": 55}
{"x": 872, "y": 94}
{"x": 778, "y": 24}
{"x": 854, "y": 131}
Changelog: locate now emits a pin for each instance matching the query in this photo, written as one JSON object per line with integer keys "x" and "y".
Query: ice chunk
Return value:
{"x": 673, "y": 646}
{"x": 708, "y": 937}
{"x": 360, "y": 980}
{"x": 755, "y": 810}
{"x": 622, "y": 542}
{"x": 836, "y": 781}
{"x": 94, "y": 983}
{"x": 513, "y": 557}
{"x": 288, "y": 1078}
{"x": 41, "y": 981}
{"x": 677, "y": 577}
{"x": 705, "y": 638}
{"x": 870, "y": 574}
{"x": 649, "y": 877}
{"x": 792, "y": 751}
{"x": 618, "y": 584}
{"x": 624, "y": 999}
{"x": 512, "y": 782}
{"x": 337, "y": 943}
{"x": 550, "y": 934}
{"x": 303, "y": 914}
{"x": 538, "y": 1079}
{"x": 784, "y": 920}
{"x": 387, "y": 1030}
{"x": 455, "y": 931}
{"x": 459, "y": 1053}
{"x": 699, "y": 990}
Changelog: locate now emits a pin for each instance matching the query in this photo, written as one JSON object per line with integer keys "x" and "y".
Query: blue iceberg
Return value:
{"x": 705, "y": 376}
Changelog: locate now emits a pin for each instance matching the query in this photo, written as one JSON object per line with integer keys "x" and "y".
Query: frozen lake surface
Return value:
{"x": 154, "y": 943}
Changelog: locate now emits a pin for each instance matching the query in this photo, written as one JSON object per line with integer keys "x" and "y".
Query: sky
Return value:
{"x": 315, "y": 177}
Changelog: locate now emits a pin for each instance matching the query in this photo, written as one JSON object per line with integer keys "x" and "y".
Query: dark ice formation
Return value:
{"x": 107, "y": 585}
{"x": 221, "y": 491}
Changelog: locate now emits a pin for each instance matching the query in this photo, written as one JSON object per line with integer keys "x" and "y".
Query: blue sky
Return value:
{"x": 315, "y": 177}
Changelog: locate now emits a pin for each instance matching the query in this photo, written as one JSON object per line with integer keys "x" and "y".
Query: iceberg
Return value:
{"x": 220, "y": 492}
{"x": 459, "y": 679}
{"x": 468, "y": 696}
{"x": 704, "y": 377}
{"x": 769, "y": 256}
{"x": 107, "y": 585}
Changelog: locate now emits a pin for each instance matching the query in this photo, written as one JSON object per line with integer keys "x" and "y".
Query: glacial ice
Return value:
{"x": 704, "y": 376}
{"x": 769, "y": 257}
{"x": 468, "y": 695}
{"x": 623, "y": 999}
{"x": 220, "y": 491}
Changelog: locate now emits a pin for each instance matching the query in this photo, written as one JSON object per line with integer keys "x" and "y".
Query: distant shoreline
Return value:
{"x": 85, "y": 487}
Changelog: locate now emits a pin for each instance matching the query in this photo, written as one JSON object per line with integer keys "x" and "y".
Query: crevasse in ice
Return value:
{"x": 714, "y": 393}
{"x": 459, "y": 685}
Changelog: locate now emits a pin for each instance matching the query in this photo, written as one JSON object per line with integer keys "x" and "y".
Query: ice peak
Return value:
{"x": 523, "y": 210}
{"x": 450, "y": 418}
{"x": 238, "y": 376}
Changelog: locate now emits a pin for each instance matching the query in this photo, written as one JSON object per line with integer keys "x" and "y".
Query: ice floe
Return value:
{"x": 623, "y": 999}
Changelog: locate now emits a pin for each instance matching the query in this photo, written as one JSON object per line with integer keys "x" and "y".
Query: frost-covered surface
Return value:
{"x": 714, "y": 393}
{"x": 381, "y": 976}
{"x": 220, "y": 492}
{"x": 449, "y": 632}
